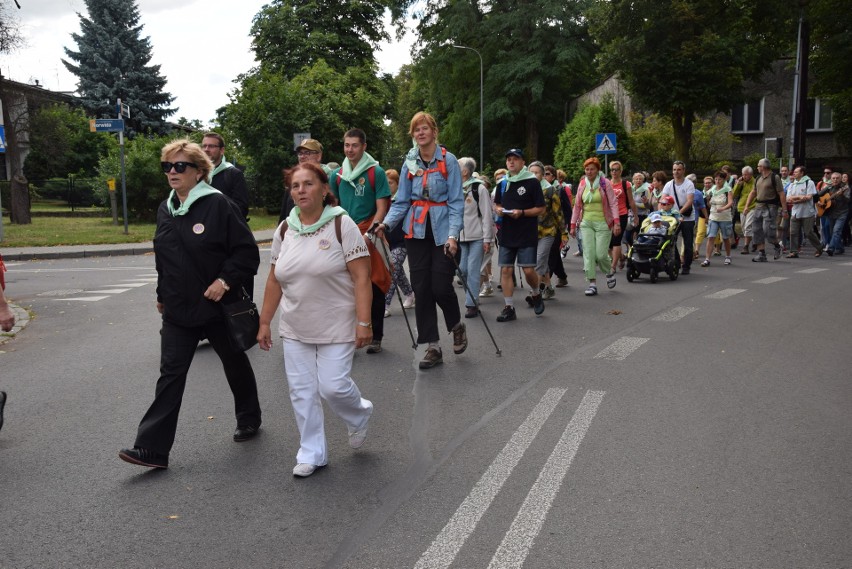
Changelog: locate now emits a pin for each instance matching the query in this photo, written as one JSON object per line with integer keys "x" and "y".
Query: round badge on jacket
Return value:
{"x": 324, "y": 244}
{"x": 198, "y": 228}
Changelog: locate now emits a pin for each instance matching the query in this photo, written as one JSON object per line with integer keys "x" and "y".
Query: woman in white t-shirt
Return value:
{"x": 320, "y": 279}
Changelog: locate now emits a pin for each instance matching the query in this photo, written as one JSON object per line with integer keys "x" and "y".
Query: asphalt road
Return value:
{"x": 697, "y": 423}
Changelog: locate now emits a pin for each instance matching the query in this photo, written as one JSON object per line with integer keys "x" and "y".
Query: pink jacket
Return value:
{"x": 608, "y": 199}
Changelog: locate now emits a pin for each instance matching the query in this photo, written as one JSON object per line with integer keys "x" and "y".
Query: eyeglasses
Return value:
{"x": 615, "y": 169}
{"x": 180, "y": 167}
{"x": 306, "y": 152}
{"x": 207, "y": 146}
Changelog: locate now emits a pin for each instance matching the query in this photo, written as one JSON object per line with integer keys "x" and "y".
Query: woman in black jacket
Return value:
{"x": 205, "y": 252}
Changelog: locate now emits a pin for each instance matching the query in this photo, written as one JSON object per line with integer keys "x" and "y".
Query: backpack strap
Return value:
{"x": 474, "y": 189}
{"x": 337, "y": 229}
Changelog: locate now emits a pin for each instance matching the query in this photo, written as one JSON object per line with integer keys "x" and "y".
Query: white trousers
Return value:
{"x": 317, "y": 371}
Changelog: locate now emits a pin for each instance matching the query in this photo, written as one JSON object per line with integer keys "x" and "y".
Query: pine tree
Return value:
{"x": 112, "y": 63}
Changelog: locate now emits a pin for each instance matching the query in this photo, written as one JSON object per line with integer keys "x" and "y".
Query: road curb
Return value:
{"x": 22, "y": 319}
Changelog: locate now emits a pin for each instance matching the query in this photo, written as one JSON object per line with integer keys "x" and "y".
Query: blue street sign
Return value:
{"x": 605, "y": 143}
{"x": 2, "y": 139}
{"x": 106, "y": 125}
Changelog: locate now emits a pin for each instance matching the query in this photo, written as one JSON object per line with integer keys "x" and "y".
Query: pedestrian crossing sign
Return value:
{"x": 605, "y": 143}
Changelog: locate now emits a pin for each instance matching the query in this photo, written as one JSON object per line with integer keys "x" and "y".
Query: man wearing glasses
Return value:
{"x": 683, "y": 191}
{"x": 310, "y": 150}
{"x": 225, "y": 177}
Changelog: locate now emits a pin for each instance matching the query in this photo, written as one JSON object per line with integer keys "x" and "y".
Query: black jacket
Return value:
{"x": 232, "y": 183}
{"x": 195, "y": 249}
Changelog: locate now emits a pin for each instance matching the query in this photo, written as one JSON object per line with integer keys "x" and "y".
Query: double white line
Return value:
{"x": 518, "y": 540}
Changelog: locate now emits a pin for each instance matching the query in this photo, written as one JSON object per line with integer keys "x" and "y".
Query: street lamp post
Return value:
{"x": 481, "y": 99}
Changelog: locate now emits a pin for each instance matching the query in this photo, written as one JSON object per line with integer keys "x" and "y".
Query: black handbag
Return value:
{"x": 243, "y": 321}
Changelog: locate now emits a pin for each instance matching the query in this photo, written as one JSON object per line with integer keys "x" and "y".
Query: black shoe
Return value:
{"x": 246, "y": 432}
{"x": 684, "y": 271}
{"x": 507, "y": 314}
{"x": 2, "y": 404}
{"x": 830, "y": 252}
{"x": 539, "y": 304}
{"x": 530, "y": 301}
{"x": 471, "y": 312}
{"x": 144, "y": 457}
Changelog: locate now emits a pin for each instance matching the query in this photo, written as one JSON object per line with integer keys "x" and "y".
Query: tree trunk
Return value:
{"x": 20, "y": 200}
{"x": 531, "y": 132}
{"x": 20, "y": 206}
{"x": 682, "y": 126}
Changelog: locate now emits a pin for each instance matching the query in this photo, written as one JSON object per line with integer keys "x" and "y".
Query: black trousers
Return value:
{"x": 177, "y": 348}
{"x": 687, "y": 229}
{"x": 432, "y": 280}
{"x": 377, "y": 313}
{"x": 554, "y": 260}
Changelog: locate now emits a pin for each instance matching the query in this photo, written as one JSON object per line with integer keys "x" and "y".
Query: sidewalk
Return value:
{"x": 81, "y": 251}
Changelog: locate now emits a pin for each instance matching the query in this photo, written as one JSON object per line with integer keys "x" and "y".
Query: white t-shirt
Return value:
{"x": 318, "y": 301}
{"x": 683, "y": 191}
{"x": 802, "y": 188}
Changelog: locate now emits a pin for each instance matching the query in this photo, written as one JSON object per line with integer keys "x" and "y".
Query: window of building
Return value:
{"x": 819, "y": 115}
{"x": 747, "y": 117}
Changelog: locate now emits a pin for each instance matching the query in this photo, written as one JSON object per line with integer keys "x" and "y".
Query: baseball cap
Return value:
{"x": 310, "y": 144}
{"x": 656, "y": 216}
{"x": 515, "y": 152}
{"x": 666, "y": 200}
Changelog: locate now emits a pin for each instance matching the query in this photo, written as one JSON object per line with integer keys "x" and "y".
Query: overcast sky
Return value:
{"x": 217, "y": 29}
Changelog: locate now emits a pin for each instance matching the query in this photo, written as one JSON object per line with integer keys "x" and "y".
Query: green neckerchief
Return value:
{"x": 200, "y": 190}
{"x": 524, "y": 174}
{"x": 223, "y": 165}
{"x": 641, "y": 189}
{"x": 329, "y": 212}
{"x": 411, "y": 157}
{"x": 350, "y": 175}
{"x": 657, "y": 194}
{"x": 545, "y": 185}
{"x": 715, "y": 190}
{"x": 596, "y": 185}
{"x": 469, "y": 182}
{"x": 804, "y": 181}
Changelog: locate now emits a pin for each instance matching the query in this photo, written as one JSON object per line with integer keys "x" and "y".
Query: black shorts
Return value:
{"x": 616, "y": 241}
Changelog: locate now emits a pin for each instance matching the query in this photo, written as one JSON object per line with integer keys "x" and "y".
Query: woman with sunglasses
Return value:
{"x": 204, "y": 253}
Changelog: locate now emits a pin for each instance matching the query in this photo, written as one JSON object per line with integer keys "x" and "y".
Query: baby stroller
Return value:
{"x": 655, "y": 254}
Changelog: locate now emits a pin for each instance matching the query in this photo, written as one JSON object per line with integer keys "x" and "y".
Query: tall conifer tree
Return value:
{"x": 112, "y": 63}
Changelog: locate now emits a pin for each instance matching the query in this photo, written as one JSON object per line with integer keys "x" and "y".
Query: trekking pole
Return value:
{"x": 372, "y": 231}
{"x": 475, "y": 299}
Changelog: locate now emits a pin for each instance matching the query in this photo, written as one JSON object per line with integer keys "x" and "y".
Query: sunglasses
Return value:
{"x": 180, "y": 167}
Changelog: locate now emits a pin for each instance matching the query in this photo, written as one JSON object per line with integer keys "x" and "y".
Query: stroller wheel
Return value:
{"x": 630, "y": 276}
{"x": 653, "y": 275}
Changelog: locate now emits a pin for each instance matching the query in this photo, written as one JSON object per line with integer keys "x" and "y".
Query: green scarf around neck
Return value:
{"x": 200, "y": 190}
{"x": 524, "y": 174}
{"x": 469, "y": 182}
{"x": 223, "y": 165}
{"x": 329, "y": 212}
{"x": 350, "y": 174}
{"x": 591, "y": 185}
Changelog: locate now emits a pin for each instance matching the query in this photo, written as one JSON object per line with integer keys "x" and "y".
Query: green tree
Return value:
{"x": 535, "y": 56}
{"x": 61, "y": 144}
{"x": 831, "y": 59}
{"x": 113, "y": 63}
{"x": 147, "y": 187}
{"x": 684, "y": 58}
{"x": 291, "y": 34}
{"x": 268, "y": 108}
{"x": 577, "y": 140}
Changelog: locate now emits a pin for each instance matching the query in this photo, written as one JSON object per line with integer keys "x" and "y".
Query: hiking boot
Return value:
{"x": 144, "y": 457}
{"x": 548, "y": 293}
{"x": 507, "y": 314}
{"x": 375, "y": 347}
{"x": 539, "y": 304}
{"x": 486, "y": 290}
{"x": 432, "y": 358}
{"x": 561, "y": 283}
{"x": 471, "y": 312}
{"x": 460, "y": 338}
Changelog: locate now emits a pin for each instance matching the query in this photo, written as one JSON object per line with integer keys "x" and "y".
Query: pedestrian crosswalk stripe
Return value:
{"x": 725, "y": 293}
{"x": 621, "y": 348}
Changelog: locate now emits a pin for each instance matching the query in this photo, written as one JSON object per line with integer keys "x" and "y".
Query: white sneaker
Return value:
{"x": 387, "y": 311}
{"x": 303, "y": 470}
{"x": 409, "y": 301}
{"x": 486, "y": 291}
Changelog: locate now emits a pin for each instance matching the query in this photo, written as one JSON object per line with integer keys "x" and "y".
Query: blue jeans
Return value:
{"x": 837, "y": 224}
{"x": 470, "y": 264}
{"x": 825, "y": 230}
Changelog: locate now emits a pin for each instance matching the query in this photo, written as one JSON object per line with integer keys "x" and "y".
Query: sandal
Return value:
{"x": 705, "y": 263}
{"x": 592, "y": 290}
{"x": 818, "y": 253}
{"x": 610, "y": 280}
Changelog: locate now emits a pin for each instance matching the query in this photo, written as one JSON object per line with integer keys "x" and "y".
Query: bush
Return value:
{"x": 577, "y": 141}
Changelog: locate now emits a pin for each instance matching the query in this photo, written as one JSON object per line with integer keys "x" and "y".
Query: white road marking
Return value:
{"x": 770, "y": 280}
{"x": 674, "y": 314}
{"x": 621, "y": 348}
{"x": 518, "y": 540}
{"x": 725, "y": 293}
{"x": 109, "y": 291}
{"x": 143, "y": 281}
{"x": 83, "y": 298}
{"x": 844, "y": 264}
{"x": 811, "y": 271}
{"x": 449, "y": 541}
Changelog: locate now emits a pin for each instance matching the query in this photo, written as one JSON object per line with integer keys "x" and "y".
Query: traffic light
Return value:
{"x": 779, "y": 147}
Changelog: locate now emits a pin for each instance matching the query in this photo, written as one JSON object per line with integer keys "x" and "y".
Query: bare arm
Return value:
{"x": 271, "y": 299}
{"x": 359, "y": 270}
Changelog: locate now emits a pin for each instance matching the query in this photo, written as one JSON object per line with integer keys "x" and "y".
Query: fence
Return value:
{"x": 64, "y": 194}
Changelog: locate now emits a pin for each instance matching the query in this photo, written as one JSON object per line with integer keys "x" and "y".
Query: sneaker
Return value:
{"x": 549, "y": 292}
{"x": 460, "y": 338}
{"x": 432, "y": 358}
{"x": 530, "y": 300}
{"x": 357, "y": 438}
{"x": 610, "y": 280}
{"x": 592, "y": 290}
{"x": 777, "y": 253}
{"x": 375, "y": 347}
{"x": 387, "y": 311}
{"x": 507, "y": 314}
{"x": 538, "y": 305}
{"x": 830, "y": 252}
{"x": 561, "y": 283}
{"x": 759, "y": 258}
{"x": 471, "y": 312}
{"x": 486, "y": 291}
{"x": 684, "y": 271}
{"x": 144, "y": 457}
{"x": 727, "y": 260}
{"x": 705, "y": 263}
{"x": 744, "y": 251}
{"x": 304, "y": 470}
{"x": 409, "y": 301}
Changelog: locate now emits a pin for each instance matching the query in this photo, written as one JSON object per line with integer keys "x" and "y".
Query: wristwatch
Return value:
{"x": 224, "y": 284}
